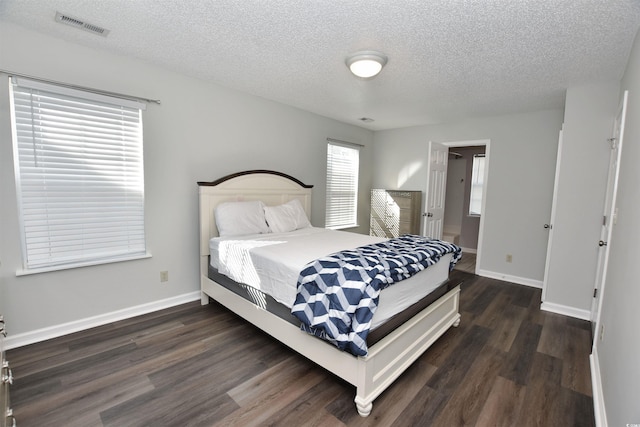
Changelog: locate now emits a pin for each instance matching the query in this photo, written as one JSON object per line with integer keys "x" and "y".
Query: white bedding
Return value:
{"x": 272, "y": 263}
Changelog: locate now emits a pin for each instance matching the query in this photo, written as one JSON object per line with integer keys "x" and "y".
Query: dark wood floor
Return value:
{"x": 467, "y": 263}
{"x": 508, "y": 364}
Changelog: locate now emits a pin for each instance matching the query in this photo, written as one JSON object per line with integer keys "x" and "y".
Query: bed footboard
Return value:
{"x": 390, "y": 357}
{"x": 371, "y": 375}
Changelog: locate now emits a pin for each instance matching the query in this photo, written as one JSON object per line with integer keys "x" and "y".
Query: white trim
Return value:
{"x": 508, "y": 278}
{"x": 469, "y": 143}
{"x": 26, "y": 338}
{"x": 566, "y": 310}
{"x": 596, "y": 385}
{"x": 469, "y": 251}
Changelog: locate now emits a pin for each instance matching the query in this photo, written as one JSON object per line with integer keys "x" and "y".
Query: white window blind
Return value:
{"x": 342, "y": 185}
{"x": 79, "y": 175}
{"x": 477, "y": 183}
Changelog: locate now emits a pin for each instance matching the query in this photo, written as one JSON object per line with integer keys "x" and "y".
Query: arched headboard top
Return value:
{"x": 253, "y": 172}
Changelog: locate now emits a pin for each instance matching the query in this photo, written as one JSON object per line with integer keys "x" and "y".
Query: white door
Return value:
{"x": 436, "y": 190}
{"x": 549, "y": 226}
{"x": 609, "y": 216}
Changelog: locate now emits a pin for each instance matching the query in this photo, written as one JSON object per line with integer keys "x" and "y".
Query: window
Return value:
{"x": 477, "y": 182}
{"x": 342, "y": 185}
{"x": 79, "y": 175}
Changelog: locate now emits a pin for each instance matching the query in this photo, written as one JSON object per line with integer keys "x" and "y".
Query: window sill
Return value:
{"x": 29, "y": 271}
{"x": 342, "y": 227}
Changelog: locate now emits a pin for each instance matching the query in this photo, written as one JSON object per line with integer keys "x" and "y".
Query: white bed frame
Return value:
{"x": 386, "y": 360}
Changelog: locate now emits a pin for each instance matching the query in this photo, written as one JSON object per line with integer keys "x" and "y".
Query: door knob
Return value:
{"x": 548, "y": 226}
{"x": 429, "y": 214}
{"x": 602, "y": 243}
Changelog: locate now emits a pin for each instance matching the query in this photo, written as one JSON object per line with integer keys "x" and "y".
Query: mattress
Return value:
{"x": 271, "y": 263}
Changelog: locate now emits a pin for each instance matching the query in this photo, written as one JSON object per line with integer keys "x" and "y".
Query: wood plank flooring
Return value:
{"x": 467, "y": 263}
{"x": 507, "y": 364}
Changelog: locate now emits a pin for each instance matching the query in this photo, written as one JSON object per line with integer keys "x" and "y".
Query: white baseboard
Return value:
{"x": 469, "y": 251}
{"x": 26, "y": 338}
{"x": 566, "y": 310}
{"x": 596, "y": 385}
{"x": 509, "y": 278}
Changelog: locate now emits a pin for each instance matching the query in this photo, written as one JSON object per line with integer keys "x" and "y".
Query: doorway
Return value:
{"x": 461, "y": 224}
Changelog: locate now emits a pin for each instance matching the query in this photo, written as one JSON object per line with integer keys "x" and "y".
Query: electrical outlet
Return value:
{"x": 509, "y": 258}
{"x": 601, "y": 332}
{"x": 164, "y": 276}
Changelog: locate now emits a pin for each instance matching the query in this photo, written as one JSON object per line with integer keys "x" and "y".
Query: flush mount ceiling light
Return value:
{"x": 366, "y": 63}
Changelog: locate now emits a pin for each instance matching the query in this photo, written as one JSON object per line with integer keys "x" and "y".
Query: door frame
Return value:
{"x": 487, "y": 164}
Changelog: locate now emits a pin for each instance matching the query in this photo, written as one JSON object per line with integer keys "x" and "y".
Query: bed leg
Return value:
{"x": 456, "y": 323}
{"x": 204, "y": 298}
{"x": 364, "y": 408}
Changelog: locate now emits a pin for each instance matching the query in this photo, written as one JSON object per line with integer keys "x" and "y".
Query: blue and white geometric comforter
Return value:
{"x": 338, "y": 294}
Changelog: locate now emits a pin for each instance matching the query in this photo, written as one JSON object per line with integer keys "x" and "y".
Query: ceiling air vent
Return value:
{"x": 63, "y": 18}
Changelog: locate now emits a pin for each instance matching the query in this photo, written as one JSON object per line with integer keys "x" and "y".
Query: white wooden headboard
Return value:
{"x": 272, "y": 188}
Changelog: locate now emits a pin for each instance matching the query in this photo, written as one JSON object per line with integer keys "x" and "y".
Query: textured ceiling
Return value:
{"x": 448, "y": 59}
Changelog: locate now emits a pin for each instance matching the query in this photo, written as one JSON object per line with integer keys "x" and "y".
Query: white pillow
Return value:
{"x": 240, "y": 218}
{"x": 287, "y": 217}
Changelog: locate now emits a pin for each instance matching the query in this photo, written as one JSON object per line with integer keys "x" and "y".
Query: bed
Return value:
{"x": 392, "y": 347}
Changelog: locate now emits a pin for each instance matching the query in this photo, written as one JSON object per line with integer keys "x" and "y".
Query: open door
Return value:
{"x": 436, "y": 190}
{"x": 609, "y": 217}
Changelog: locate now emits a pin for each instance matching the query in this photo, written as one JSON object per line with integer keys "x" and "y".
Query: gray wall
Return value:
{"x": 200, "y": 132}
{"x": 619, "y": 351}
{"x": 519, "y": 188}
